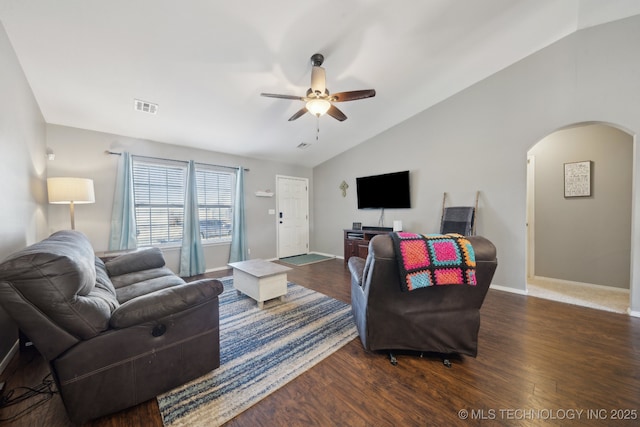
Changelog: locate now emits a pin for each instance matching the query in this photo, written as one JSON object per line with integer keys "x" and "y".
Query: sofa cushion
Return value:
{"x": 144, "y": 259}
{"x": 139, "y": 273}
{"x": 132, "y": 285}
{"x": 58, "y": 276}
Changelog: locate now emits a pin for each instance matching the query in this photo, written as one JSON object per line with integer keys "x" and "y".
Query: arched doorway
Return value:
{"x": 579, "y": 245}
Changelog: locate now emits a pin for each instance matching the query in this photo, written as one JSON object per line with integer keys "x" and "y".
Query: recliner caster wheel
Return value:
{"x": 393, "y": 359}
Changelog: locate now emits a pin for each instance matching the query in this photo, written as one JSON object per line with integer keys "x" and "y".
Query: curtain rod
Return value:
{"x": 172, "y": 160}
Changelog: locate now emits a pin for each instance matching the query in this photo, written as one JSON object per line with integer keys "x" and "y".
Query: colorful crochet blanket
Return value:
{"x": 434, "y": 259}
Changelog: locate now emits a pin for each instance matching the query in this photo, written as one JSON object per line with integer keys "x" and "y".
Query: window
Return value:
{"x": 159, "y": 192}
{"x": 214, "y": 203}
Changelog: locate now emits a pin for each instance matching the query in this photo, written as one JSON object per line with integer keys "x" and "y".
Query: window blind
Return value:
{"x": 215, "y": 203}
{"x": 159, "y": 192}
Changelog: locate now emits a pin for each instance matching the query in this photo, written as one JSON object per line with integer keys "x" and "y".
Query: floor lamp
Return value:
{"x": 70, "y": 191}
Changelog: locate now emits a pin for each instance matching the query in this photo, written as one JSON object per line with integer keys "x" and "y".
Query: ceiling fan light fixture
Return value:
{"x": 318, "y": 107}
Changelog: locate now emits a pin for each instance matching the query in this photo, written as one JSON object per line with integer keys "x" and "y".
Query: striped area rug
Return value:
{"x": 260, "y": 351}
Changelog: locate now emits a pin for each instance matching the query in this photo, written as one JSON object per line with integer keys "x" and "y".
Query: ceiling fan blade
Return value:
{"x": 336, "y": 113}
{"x": 275, "y": 95}
{"x": 298, "y": 114}
{"x": 353, "y": 95}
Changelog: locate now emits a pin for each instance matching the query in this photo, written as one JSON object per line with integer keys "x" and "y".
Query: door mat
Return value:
{"x": 305, "y": 259}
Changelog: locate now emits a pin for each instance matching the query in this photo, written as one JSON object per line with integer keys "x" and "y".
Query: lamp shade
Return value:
{"x": 65, "y": 190}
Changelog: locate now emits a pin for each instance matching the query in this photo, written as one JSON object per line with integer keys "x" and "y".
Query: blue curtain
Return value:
{"x": 191, "y": 255}
{"x": 239, "y": 250}
{"x": 123, "y": 218}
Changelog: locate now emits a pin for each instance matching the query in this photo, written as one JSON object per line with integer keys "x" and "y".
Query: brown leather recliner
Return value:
{"x": 117, "y": 333}
{"x": 436, "y": 319}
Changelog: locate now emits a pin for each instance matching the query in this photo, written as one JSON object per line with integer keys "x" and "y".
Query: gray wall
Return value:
{"x": 476, "y": 140}
{"x": 584, "y": 239}
{"x": 479, "y": 139}
{"x": 22, "y": 168}
{"x": 81, "y": 153}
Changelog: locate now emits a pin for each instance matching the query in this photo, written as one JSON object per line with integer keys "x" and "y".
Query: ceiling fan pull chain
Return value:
{"x": 317, "y": 127}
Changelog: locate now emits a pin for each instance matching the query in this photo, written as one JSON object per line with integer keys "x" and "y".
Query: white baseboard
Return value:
{"x": 211, "y": 270}
{"x": 324, "y": 254}
{"x": 582, "y": 284}
{"x": 9, "y": 356}
{"x": 634, "y": 313}
{"x": 508, "y": 289}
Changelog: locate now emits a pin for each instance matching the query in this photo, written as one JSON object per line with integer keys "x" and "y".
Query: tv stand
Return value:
{"x": 356, "y": 242}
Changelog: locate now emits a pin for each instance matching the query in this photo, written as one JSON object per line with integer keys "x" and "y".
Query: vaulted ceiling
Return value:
{"x": 206, "y": 62}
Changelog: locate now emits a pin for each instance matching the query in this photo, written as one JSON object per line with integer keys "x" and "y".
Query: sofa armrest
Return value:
{"x": 164, "y": 302}
{"x": 483, "y": 248}
{"x": 356, "y": 267}
{"x": 145, "y": 259}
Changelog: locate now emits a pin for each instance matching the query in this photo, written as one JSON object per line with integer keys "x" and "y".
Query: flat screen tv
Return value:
{"x": 387, "y": 191}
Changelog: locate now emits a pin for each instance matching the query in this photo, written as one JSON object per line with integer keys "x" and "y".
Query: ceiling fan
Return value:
{"x": 318, "y": 100}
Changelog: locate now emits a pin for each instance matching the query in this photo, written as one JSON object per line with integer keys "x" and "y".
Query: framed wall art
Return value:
{"x": 577, "y": 179}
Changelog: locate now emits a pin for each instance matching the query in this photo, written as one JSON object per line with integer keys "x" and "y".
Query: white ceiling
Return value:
{"x": 206, "y": 62}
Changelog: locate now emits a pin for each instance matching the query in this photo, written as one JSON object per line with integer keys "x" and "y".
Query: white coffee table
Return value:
{"x": 259, "y": 279}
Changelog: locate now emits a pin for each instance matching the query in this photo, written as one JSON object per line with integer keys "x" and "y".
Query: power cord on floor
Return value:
{"x": 46, "y": 388}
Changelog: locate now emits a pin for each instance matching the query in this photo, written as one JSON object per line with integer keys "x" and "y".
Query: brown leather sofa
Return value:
{"x": 117, "y": 333}
{"x": 436, "y": 319}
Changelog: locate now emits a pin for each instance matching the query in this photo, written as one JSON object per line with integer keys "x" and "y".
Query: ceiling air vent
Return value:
{"x": 303, "y": 145}
{"x": 145, "y": 107}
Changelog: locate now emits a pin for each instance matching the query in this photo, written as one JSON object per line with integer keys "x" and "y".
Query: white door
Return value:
{"x": 292, "y": 215}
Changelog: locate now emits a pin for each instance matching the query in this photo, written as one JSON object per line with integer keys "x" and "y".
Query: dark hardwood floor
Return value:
{"x": 539, "y": 363}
